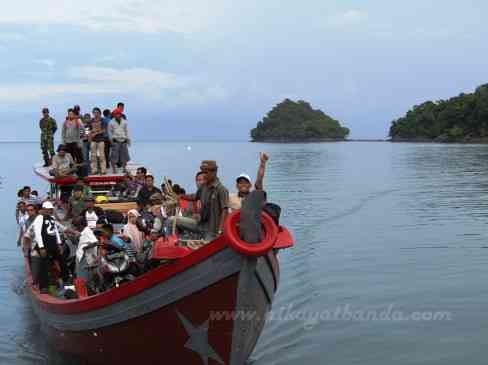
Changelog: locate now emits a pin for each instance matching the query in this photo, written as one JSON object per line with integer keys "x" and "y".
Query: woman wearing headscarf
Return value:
{"x": 131, "y": 230}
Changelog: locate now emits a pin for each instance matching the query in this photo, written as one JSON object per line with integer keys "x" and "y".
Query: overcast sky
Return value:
{"x": 193, "y": 69}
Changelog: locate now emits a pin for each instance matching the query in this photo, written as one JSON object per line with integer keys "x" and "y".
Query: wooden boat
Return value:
{"x": 205, "y": 307}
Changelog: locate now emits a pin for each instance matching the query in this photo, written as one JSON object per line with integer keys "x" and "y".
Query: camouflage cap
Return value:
{"x": 208, "y": 165}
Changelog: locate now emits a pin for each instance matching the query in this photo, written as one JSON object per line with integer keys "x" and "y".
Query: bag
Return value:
{"x": 274, "y": 210}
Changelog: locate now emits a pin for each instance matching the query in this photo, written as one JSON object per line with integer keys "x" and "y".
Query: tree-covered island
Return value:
{"x": 463, "y": 118}
{"x": 291, "y": 121}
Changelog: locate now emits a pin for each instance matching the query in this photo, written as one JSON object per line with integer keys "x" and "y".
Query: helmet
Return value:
{"x": 101, "y": 199}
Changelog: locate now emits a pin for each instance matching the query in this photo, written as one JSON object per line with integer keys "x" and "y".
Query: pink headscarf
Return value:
{"x": 133, "y": 232}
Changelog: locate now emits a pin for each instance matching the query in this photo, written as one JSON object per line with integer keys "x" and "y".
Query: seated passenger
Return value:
{"x": 133, "y": 186}
{"x": 87, "y": 251}
{"x": 21, "y": 217}
{"x": 118, "y": 243}
{"x": 35, "y": 198}
{"x": 27, "y": 197}
{"x": 185, "y": 208}
{"x": 20, "y": 211}
{"x": 149, "y": 189}
{"x": 76, "y": 203}
{"x": 160, "y": 217}
{"x": 214, "y": 198}
{"x": 93, "y": 215}
{"x": 141, "y": 177}
{"x": 132, "y": 231}
{"x": 128, "y": 188}
{"x": 62, "y": 164}
{"x": 26, "y": 222}
{"x": 86, "y": 189}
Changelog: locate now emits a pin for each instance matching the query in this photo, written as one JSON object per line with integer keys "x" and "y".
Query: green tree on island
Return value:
{"x": 292, "y": 121}
{"x": 461, "y": 118}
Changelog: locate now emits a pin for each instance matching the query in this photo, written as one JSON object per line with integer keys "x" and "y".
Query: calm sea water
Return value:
{"x": 388, "y": 266}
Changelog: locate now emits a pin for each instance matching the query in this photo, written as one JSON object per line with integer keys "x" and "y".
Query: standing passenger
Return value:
{"x": 118, "y": 133}
{"x": 48, "y": 128}
{"x": 244, "y": 184}
{"x": 47, "y": 242}
{"x": 97, "y": 137}
{"x": 71, "y": 136}
{"x": 85, "y": 138}
{"x": 107, "y": 117}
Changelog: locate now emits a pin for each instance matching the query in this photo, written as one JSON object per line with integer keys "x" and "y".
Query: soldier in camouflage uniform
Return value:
{"x": 48, "y": 129}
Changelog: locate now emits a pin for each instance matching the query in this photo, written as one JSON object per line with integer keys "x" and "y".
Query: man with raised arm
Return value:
{"x": 251, "y": 203}
{"x": 244, "y": 184}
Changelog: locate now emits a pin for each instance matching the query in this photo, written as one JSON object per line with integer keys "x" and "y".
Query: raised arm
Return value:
{"x": 263, "y": 158}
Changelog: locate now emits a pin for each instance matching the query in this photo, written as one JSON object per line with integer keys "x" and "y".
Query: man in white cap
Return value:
{"x": 244, "y": 184}
{"x": 46, "y": 242}
{"x": 250, "y": 203}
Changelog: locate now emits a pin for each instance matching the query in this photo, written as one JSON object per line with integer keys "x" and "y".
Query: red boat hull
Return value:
{"x": 207, "y": 308}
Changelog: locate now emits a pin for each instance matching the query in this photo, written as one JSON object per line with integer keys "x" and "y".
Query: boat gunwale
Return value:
{"x": 126, "y": 290}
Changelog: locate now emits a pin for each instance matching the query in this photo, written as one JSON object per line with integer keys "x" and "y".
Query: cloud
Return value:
{"x": 45, "y": 62}
{"x": 348, "y": 18}
{"x": 11, "y": 37}
{"x": 144, "y": 16}
{"x": 91, "y": 81}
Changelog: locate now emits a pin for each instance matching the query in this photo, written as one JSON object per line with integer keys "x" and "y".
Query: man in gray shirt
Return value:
{"x": 118, "y": 134}
{"x": 214, "y": 198}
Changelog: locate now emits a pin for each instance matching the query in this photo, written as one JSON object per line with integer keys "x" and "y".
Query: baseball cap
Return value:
{"x": 208, "y": 165}
{"x": 47, "y": 205}
{"x": 116, "y": 113}
{"x": 244, "y": 176}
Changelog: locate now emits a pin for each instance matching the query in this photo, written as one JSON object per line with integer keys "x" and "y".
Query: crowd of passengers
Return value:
{"x": 90, "y": 143}
{"x": 160, "y": 211}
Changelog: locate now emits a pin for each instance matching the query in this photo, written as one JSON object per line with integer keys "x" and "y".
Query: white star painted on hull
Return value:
{"x": 198, "y": 340}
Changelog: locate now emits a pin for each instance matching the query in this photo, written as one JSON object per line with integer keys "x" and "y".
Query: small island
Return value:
{"x": 463, "y": 118}
{"x": 291, "y": 121}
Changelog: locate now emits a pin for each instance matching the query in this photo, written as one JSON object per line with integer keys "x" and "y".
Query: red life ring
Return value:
{"x": 231, "y": 233}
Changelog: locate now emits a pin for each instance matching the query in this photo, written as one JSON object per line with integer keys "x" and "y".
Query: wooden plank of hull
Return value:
{"x": 123, "y": 207}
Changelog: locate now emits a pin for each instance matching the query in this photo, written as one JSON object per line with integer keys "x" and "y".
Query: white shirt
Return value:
{"x": 91, "y": 219}
{"x": 37, "y": 225}
{"x": 87, "y": 238}
{"x": 118, "y": 131}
